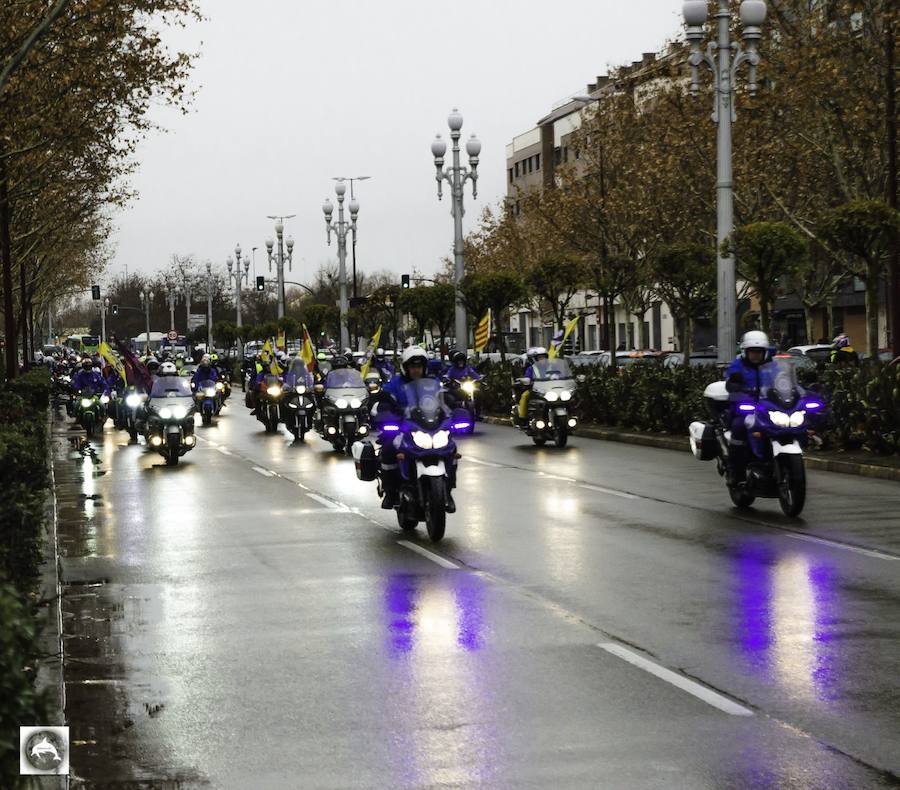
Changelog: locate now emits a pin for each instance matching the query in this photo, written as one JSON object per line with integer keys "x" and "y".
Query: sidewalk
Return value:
{"x": 857, "y": 463}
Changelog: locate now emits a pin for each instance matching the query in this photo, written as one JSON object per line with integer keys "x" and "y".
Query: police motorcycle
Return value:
{"x": 169, "y": 424}
{"x": 269, "y": 401}
{"x": 779, "y": 420}
{"x": 133, "y": 400}
{"x": 61, "y": 388}
{"x": 466, "y": 391}
{"x": 549, "y": 413}
{"x": 343, "y": 414}
{"x": 207, "y": 397}
{"x": 426, "y": 455}
{"x": 298, "y": 406}
{"x": 90, "y": 410}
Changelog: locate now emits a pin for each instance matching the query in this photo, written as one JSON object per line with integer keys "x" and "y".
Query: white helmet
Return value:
{"x": 754, "y": 339}
{"x": 535, "y": 352}
{"x": 379, "y": 352}
{"x": 411, "y": 353}
{"x": 168, "y": 369}
{"x": 205, "y": 359}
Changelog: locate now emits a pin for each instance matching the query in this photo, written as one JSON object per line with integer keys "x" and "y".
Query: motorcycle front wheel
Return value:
{"x": 172, "y": 456}
{"x": 560, "y": 436}
{"x": 740, "y": 497}
{"x": 436, "y": 508}
{"x": 207, "y": 417}
{"x": 791, "y": 484}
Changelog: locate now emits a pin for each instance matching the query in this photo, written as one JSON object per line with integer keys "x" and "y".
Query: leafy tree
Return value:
{"x": 685, "y": 279}
{"x": 555, "y": 281}
{"x": 766, "y": 252}
{"x": 495, "y": 291}
{"x": 321, "y": 320}
{"x": 864, "y": 229}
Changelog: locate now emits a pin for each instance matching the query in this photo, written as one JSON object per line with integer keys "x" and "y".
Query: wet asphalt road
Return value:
{"x": 597, "y": 616}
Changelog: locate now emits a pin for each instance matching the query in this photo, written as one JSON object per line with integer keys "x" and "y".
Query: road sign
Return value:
{"x": 172, "y": 334}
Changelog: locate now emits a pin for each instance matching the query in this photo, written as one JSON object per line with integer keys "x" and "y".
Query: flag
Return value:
{"x": 268, "y": 355}
{"x": 136, "y": 373}
{"x": 370, "y": 351}
{"x": 554, "y": 350}
{"x": 280, "y": 341}
{"x": 483, "y": 332}
{"x": 107, "y": 353}
{"x": 307, "y": 352}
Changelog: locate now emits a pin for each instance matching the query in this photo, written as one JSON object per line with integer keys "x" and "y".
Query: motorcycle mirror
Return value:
{"x": 581, "y": 378}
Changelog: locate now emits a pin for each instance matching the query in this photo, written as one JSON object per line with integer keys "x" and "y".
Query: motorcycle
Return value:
{"x": 90, "y": 411}
{"x": 207, "y": 398}
{"x": 343, "y": 416}
{"x": 426, "y": 455}
{"x": 548, "y": 414}
{"x": 169, "y": 426}
{"x": 268, "y": 404}
{"x": 467, "y": 391}
{"x": 779, "y": 419}
{"x": 299, "y": 406}
{"x": 223, "y": 389}
{"x": 134, "y": 401}
{"x": 61, "y": 391}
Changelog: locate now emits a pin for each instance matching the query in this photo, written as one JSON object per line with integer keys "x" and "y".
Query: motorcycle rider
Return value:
{"x": 204, "y": 372}
{"x": 88, "y": 378}
{"x": 535, "y": 355}
{"x": 842, "y": 353}
{"x": 382, "y": 365}
{"x": 744, "y": 376}
{"x": 460, "y": 369}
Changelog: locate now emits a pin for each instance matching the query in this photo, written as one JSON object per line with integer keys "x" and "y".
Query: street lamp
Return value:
{"x": 456, "y": 175}
{"x": 718, "y": 57}
{"x": 341, "y": 228}
{"x": 279, "y": 258}
{"x": 147, "y": 298}
{"x": 351, "y": 180}
{"x": 209, "y": 298}
{"x": 104, "y": 306}
{"x": 172, "y": 299}
{"x": 239, "y": 278}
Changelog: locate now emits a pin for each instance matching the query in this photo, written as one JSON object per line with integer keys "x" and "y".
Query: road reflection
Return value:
{"x": 787, "y": 612}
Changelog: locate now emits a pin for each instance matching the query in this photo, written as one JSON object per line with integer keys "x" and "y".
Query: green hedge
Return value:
{"x": 864, "y": 402}
{"x": 24, "y": 479}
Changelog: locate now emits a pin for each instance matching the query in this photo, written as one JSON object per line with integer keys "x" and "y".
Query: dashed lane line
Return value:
{"x": 436, "y": 558}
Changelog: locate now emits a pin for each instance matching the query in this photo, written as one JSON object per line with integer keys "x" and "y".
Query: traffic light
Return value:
{"x": 95, "y": 293}
{"x": 404, "y": 281}
{"x": 260, "y": 283}
{"x": 115, "y": 309}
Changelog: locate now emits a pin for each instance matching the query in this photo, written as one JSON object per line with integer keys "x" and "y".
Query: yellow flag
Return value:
{"x": 269, "y": 356}
{"x": 107, "y": 354}
{"x": 554, "y": 350}
{"x": 280, "y": 341}
{"x": 483, "y": 333}
{"x": 370, "y": 351}
{"x": 307, "y": 352}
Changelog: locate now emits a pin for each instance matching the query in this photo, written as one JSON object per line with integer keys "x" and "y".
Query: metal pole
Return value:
{"x": 727, "y": 295}
{"x": 462, "y": 335}
{"x": 50, "y": 323}
{"x": 342, "y": 273}
{"x": 187, "y": 306}
{"x": 209, "y": 293}
{"x": 102, "y": 321}
{"x": 171, "y": 296}
{"x": 147, "y": 327}
{"x": 279, "y": 230}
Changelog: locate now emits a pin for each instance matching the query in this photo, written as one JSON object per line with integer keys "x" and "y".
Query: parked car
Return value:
{"x": 818, "y": 353}
{"x": 626, "y": 358}
{"x": 591, "y": 358}
{"x": 702, "y": 358}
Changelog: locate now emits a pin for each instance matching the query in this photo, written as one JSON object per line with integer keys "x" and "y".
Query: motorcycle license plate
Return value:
{"x": 561, "y": 412}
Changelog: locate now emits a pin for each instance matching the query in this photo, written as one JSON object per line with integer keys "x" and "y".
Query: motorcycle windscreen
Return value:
{"x": 551, "y": 370}
{"x": 426, "y": 404}
{"x": 297, "y": 374}
{"x": 778, "y": 382}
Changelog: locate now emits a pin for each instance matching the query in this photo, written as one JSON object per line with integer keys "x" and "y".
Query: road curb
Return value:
{"x": 663, "y": 442}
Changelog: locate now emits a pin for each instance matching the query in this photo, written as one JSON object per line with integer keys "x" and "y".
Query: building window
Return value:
{"x": 565, "y": 153}
{"x": 510, "y": 175}
{"x": 516, "y": 168}
{"x": 577, "y": 154}
{"x": 557, "y": 155}
{"x": 537, "y": 161}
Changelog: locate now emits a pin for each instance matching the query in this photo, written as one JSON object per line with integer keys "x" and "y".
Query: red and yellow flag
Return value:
{"x": 483, "y": 333}
{"x": 307, "y": 353}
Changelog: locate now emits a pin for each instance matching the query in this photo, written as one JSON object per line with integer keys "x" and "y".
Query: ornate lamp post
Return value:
{"x": 279, "y": 258}
{"x": 718, "y": 57}
{"x": 341, "y": 228}
{"x": 147, "y": 298}
{"x": 209, "y": 298}
{"x": 239, "y": 277}
{"x": 172, "y": 299}
{"x": 456, "y": 175}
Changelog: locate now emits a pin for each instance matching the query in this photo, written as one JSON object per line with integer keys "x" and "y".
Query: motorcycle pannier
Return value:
{"x": 704, "y": 444}
{"x": 365, "y": 460}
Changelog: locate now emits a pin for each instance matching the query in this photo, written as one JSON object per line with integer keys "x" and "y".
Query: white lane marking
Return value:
{"x": 703, "y": 693}
{"x": 327, "y": 502}
{"x": 610, "y": 491}
{"x": 846, "y": 546}
{"x": 557, "y": 477}
{"x": 224, "y": 450}
{"x": 263, "y": 472}
{"x": 305, "y": 488}
{"x": 211, "y": 443}
{"x": 428, "y": 555}
{"x": 482, "y": 463}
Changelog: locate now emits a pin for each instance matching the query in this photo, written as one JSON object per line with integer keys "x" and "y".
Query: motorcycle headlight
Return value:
{"x": 551, "y": 396}
{"x": 780, "y": 419}
{"x": 355, "y": 403}
{"x": 132, "y": 401}
{"x": 797, "y": 419}
{"x": 440, "y": 439}
{"x": 301, "y": 388}
{"x": 565, "y": 395}
{"x": 210, "y": 392}
{"x": 179, "y": 412}
{"x": 274, "y": 391}
{"x": 85, "y": 403}
{"x": 104, "y": 399}
{"x": 423, "y": 440}
{"x": 468, "y": 387}
{"x": 220, "y": 385}
{"x": 341, "y": 403}
{"x": 166, "y": 413}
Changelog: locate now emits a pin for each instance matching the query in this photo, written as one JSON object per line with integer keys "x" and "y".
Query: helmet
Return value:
{"x": 458, "y": 357}
{"x": 339, "y": 361}
{"x": 321, "y": 356}
{"x": 86, "y": 363}
{"x": 215, "y": 357}
{"x": 535, "y": 352}
{"x": 754, "y": 339}
{"x": 168, "y": 369}
{"x": 152, "y": 363}
{"x": 281, "y": 356}
{"x": 841, "y": 341}
{"x": 413, "y": 353}
{"x": 379, "y": 352}
{"x": 205, "y": 360}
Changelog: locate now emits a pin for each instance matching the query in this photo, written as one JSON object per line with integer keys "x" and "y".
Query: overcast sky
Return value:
{"x": 293, "y": 93}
